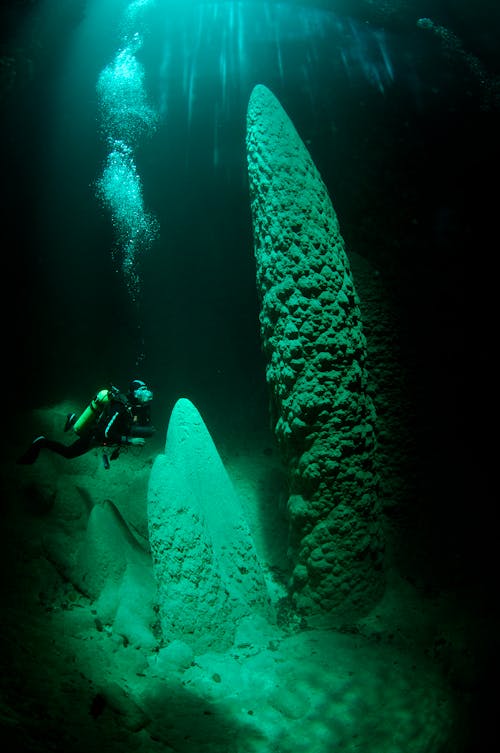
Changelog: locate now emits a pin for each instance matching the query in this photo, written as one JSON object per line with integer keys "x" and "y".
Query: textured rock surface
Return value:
{"x": 313, "y": 337}
{"x": 204, "y": 561}
{"x": 113, "y": 569}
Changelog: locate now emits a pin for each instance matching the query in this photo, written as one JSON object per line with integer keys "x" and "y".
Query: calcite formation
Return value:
{"x": 115, "y": 572}
{"x": 313, "y": 338}
{"x": 207, "y": 571}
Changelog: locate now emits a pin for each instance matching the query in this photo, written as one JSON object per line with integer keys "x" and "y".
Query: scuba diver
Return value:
{"x": 112, "y": 419}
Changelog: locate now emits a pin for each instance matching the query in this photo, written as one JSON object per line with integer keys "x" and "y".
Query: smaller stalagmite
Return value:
{"x": 204, "y": 561}
{"x": 316, "y": 351}
{"x": 114, "y": 570}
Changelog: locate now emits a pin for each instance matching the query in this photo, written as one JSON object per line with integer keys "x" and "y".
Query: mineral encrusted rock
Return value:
{"x": 313, "y": 338}
{"x": 204, "y": 561}
{"x": 115, "y": 572}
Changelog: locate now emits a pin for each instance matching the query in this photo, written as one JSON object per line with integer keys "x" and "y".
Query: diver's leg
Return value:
{"x": 67, "y": 451}
{"x": 79, "y": 447}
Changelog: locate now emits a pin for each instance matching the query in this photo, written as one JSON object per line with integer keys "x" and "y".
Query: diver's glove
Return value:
{"x": 137, "y": 441}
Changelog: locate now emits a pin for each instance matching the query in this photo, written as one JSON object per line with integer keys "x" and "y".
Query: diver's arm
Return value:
{"x": 113, "y": 432}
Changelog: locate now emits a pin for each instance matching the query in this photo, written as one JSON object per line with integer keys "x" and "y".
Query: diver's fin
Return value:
{"x": 31, "y": 454}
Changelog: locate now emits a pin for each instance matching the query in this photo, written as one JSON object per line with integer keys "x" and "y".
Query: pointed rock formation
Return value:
{"x": 312, "y": 335}
{"x": 204, "y": 561}
{"x": 113, "y": 569}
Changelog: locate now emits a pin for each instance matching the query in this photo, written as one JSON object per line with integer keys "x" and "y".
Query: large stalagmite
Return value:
{"x": 312, "y": 335}
{"x": 204, "y": 561}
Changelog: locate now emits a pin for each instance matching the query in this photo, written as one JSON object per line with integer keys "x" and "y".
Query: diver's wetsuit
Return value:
{"x": 118, "y": 421}
{"x": 79, "y": 447}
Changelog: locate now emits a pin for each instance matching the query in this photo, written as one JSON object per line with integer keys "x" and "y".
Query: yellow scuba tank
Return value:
{"x": 91, "y": 412}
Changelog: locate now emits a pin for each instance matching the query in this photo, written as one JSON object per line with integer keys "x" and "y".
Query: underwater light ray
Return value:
{"x": 226, "y": 46}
